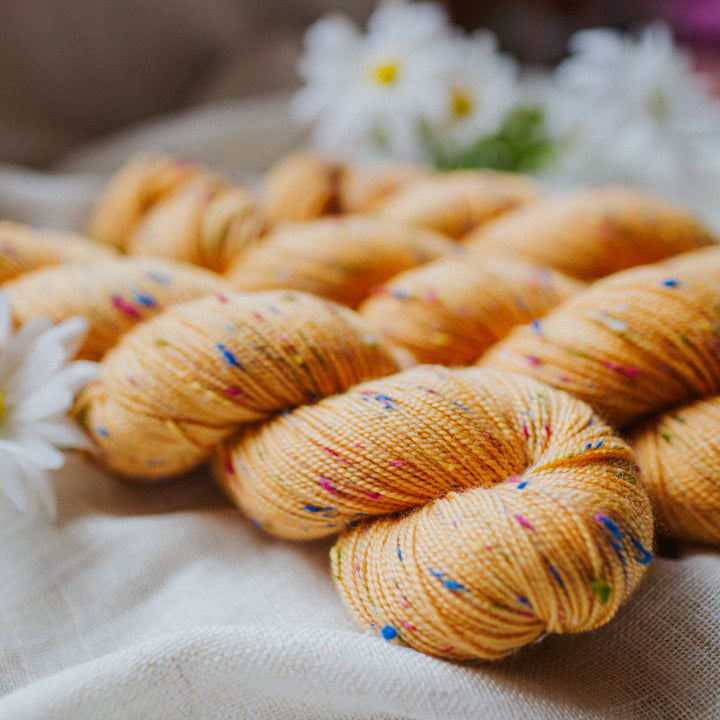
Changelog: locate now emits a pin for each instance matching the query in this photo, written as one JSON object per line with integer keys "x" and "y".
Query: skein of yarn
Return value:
{"x": 449, "y": 311}
{"x": 204, "y": 222}
{"x": 457, "y": 202}
{"x": 591, "y": 232}
{"x": 24, "y": 248}
{"x": 113, "y": 295}
{"x": 631, "y": 344}
{"x": 136, "y": 187}
{"x": 508, "y": 508}
{"x": 192, "y": 376}
{"x": 340, "y": 258}
{"x": 679, "y": 453}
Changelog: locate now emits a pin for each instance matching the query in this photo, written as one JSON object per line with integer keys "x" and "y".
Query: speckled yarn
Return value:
{"x": 508, "y": 509}
{"x": 114, "y": 296}
{"x": 204, "y": 222}
{"x": 339, "y": 258}
{"x": 458, "y": 202}
{"x": 24, "y": 248}
{"x": 679, "y": 453}
{"x": 634, "y": 343}
{"x": 305, "y": 184}
{"x": 180, "y": 383}
{"x": 451, "y": 310}
{"x": 135, "y": 188}
{"x": 592, "y": 231}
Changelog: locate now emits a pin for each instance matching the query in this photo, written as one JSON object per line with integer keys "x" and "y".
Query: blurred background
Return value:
{"x": 78, "y": 70}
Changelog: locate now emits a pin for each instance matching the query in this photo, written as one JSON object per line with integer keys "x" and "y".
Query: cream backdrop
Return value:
{"x": 163, "y": 602}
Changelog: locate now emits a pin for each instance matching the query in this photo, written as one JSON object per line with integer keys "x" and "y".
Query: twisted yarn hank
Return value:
{"x": 113, "y": 295}
{"x": 679, "y": 452}
{"x": 192, "y": 376}
{"x": 457, "y": 202}
{"x": 204, "y": 222}
{"x": 449, "y": 311}
{"x": 136, "y": 187}
{"x": 24, "y": 248}
{"x": 633, "y": 343}
{"x": 593, "y": 231}
{"x": 528, "y": 517}
{"x": 339, "y": 258}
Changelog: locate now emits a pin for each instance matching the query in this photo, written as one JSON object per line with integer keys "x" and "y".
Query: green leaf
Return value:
{"x": 522, "y": 144}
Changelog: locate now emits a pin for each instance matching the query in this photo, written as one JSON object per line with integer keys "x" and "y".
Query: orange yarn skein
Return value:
{"x": 592, "y": 231}
{"x": 457, "y": 202}
{"x": 114, "y": 296}
{"x": 508, "y": 508}
{"x": 338, "y": 258}
{"x": 24, "y": 248}
{"x": 451, "y": 310}
{"x": 632, "y": 344}
{"x": 180, "y": 383}
{"x": 679, "y": 453}
{"x": 136, "y": 187}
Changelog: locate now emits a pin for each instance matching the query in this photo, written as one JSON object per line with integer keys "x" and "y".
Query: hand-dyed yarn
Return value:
{"x": 340, "y": 258}
{"x": 205, "y": 222}
{"x": 451, "y": 310}
{"x": 592, "y": 231}
{"x": 180, "y": 383}
{"x": 679, "y": 453}
{"x": 632, "y": 344}
{"x": 455, "y": 203}
{"x": 24, "y": 248}
{"x": 113, "y": 295}
{"x": 133, "y": 190}
{"x": 509, "y": 509}
{"x": 304, "y": 185}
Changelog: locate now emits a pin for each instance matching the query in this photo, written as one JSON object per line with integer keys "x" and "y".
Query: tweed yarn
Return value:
{"x": 138, "y": 185}
{"x": 593, "y": 231}
{"x": 190, "y": 377}
{"x": 304, "y": 185}
{"x": 113, "y": 295}
{"x": 508, "y": 509}
{"x": 204, "y": 222}
{"x": 457, "y": 202}
{"x": 451, "y": 310}
{"x": 632, "y": 344}
{"x": 342, "y": 258}
{"x": 24, "y": 248}
{"x": 679, "y": 452}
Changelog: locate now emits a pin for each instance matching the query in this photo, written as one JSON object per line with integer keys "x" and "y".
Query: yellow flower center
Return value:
{"x": 461, "y": 103}
{"x": 386, "y": 73}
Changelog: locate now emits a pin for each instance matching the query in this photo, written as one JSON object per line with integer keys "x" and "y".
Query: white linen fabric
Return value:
{"x": 162, "y": 601}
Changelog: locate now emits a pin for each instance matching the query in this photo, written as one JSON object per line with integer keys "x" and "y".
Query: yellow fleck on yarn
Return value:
{"x": 182, "y": 382}
{"x": 632, "y": 344}
{"x": 140, "y": 183}
{"x": 24, "y": 248}
{"x": 113, "y": 295}
{"x": 593, "y": 231}
{"x": 204, "y": 222}
{"x": 457, "y": 202}
{"x": 679, "y": 452}
{"x": 340, "y": 258}
{"x": 451, "y": 310}
{"x": 305, "y": 184}
{"x": 509, "y": 509}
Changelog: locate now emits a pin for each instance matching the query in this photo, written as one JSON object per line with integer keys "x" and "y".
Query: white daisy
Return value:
{"x": 631, "y": 110}
{"x": 37, "y": 387}
{"x": 481, "y": 88}
{"x": 374, "y": 91}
